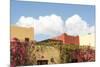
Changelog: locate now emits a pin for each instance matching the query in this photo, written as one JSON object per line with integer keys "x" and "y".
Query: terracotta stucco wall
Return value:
{"x": 68, "y": 39}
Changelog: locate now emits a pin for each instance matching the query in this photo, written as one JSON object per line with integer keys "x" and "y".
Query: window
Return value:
{"x": 42, "y": 62}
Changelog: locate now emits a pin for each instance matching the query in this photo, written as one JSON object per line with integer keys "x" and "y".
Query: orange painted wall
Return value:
{"x": 66, "y": 39}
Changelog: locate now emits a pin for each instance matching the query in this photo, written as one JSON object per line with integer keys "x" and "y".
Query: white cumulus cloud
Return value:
{"x": 75, "y": 25}
{"x": 52, "y": 24}
{"x": 26, "y": 22}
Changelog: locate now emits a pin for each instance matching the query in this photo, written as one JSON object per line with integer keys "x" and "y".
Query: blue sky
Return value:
{"x": 36, "y": 9}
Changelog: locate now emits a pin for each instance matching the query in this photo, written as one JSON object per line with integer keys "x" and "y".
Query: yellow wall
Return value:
{"x": 21, "y": 32}
{"x": 88, "y": 40}
{"x": 48, "y": 52}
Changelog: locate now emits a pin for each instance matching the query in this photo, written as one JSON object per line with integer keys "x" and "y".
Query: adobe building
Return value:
{"x": 21, "y": 32}
{"x": 45, "y": 54}
{"x": 88, "y": 40}
{"x": 67, "y": 39}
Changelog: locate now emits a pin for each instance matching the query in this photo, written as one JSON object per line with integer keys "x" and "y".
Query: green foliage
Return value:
{"x": 65, "y": 50}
